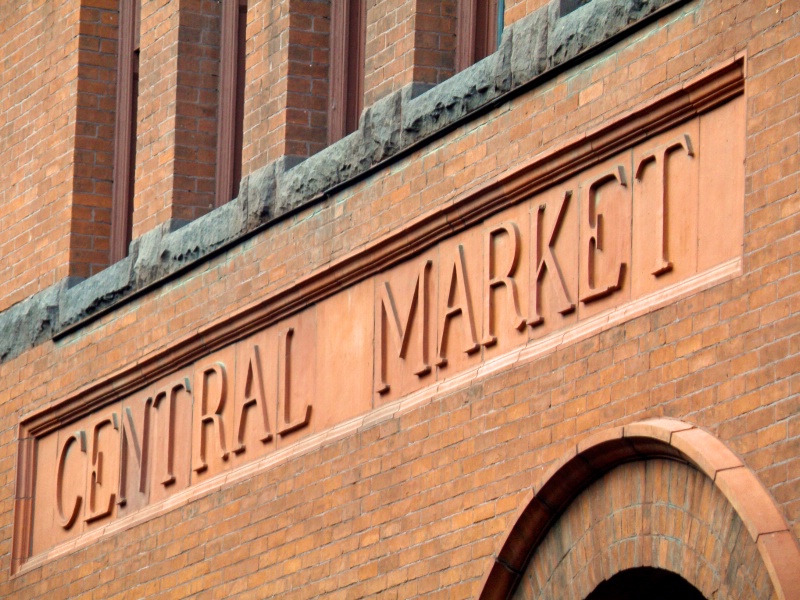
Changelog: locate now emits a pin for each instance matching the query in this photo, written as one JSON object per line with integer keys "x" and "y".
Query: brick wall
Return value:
{"x": 408, "y": 42}
{"x": 308, "y": 85}
{"x": 390, "y": 46}
{"x": 266, "y": 85}
{"x": 416, "y": 505}
{"x": 286, "y": 91}
{"x": 516, "y": 9}
{"x": 94, "y": 138}
{"x": 38, "y": 106}
{"x": 435, "y": 27}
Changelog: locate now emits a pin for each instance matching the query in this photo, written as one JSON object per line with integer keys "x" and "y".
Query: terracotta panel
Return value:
{"x": 460, "y": 303}
{"x": 295, "y": 380}
{"x": 344, "y": 356}
{"x": 660, "y": 429}
{"x": 751, "y": 501}
{"x": 665, "y": 196}
{"x": 45, "y": 534}
{"x": 505, "y": 282}
{"x": 599, "y": 437}
{"x": 781, "y": 556}
{"x": 136, "y": 447}
{"x": 172, "y": 440}
{"x": 405, "y": 324}
{"x": 23, "y": 498}
{"x": 250, "y": 425}
{"x": 553, "y": 247}
{"x": 721, "y": 211}
{"x": 707, "y": 452}
{"x": 60, "y": 493}
{"x": 214, "y": 382}
{"x": 102, "y": 469}
{"x": 604, "y": 196}
{"x": 529, "y": 521}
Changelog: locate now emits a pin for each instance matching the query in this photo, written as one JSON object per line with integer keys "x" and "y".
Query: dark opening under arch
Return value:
{"x": 645, "y": 582}
{"x": 650, "y": 440}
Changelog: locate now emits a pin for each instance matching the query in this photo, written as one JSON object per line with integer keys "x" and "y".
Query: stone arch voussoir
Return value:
{"x": 668, "y": 439}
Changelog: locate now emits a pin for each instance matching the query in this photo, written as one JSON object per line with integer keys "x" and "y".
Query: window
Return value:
{"x": 125, "y": 129}
{"x": 230, "y": 117}
{"x": 480, "y": 28}
{"x": 348, "y": 39}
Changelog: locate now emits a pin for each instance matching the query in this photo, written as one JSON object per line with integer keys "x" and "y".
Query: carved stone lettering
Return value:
{"x": 459, "y": 303}
{"x": 167, "y": 412}
{"x": 96, "y": 506}
{"x": 594, "y": 285}
{"x": 67, "y": 519}
{"x": 401, "y": 330}
{"x": 254, "y": 401}
{"x": 495, "y": 281}
{"x": 660, "y": 156}
{"x": 285, "y": 387}
{"x": 208, "y": 413}
{"x": 127, "y": 440}
{"x": 546, "y": 263}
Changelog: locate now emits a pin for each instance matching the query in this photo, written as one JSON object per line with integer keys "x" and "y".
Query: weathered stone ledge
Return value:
{"x": 541, "y": 43}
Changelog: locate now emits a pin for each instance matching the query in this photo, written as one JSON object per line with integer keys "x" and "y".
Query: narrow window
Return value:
{"x": 480, "y": 28}
{"x": 125, "y": 129}
{"x": 230, "y": 119}
{"x": 348, "y": 39}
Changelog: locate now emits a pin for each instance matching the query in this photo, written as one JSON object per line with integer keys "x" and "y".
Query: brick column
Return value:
{"x": 412, "y": 41}
{"x": 176, "y": 138}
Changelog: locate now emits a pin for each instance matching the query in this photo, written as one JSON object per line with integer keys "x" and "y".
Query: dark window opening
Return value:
{"x": 230, "y": 117}
{"x": 348, "y": 40}
{"x": 125, "y": 129}
{"x": 480, "y": 29}
{"x": 567, "y": 6}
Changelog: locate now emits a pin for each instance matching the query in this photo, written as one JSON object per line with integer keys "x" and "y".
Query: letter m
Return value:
{"x": 390, "y": 325}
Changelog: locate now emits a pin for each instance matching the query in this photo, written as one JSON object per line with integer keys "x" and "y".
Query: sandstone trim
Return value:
{"x": 21, "y": 562}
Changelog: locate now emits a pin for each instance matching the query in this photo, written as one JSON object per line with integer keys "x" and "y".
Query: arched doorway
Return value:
{"x": 662, "y": 494}
{"x": 645, "y": 582}
{"x": 658, "y": 513}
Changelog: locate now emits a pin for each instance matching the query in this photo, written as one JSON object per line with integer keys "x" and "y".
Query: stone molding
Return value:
{"x": 657, "y": 438}
{"x": 674, "y": 107}
{"x": 49, "y": 420}
{"x": 533, "y": 50}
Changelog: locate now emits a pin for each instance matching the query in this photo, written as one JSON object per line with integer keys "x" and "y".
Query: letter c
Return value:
{"x": 68, "y": 521}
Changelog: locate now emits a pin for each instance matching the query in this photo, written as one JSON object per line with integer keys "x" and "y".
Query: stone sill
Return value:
{"x": 533, "y": 51}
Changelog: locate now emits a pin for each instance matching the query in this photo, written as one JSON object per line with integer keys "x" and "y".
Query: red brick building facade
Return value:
{"x": 400, "y": 298}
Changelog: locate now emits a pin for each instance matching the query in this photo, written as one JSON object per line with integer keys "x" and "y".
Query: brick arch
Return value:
{"x": 653, "y": 513}
{"x": 654, "y": 442}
